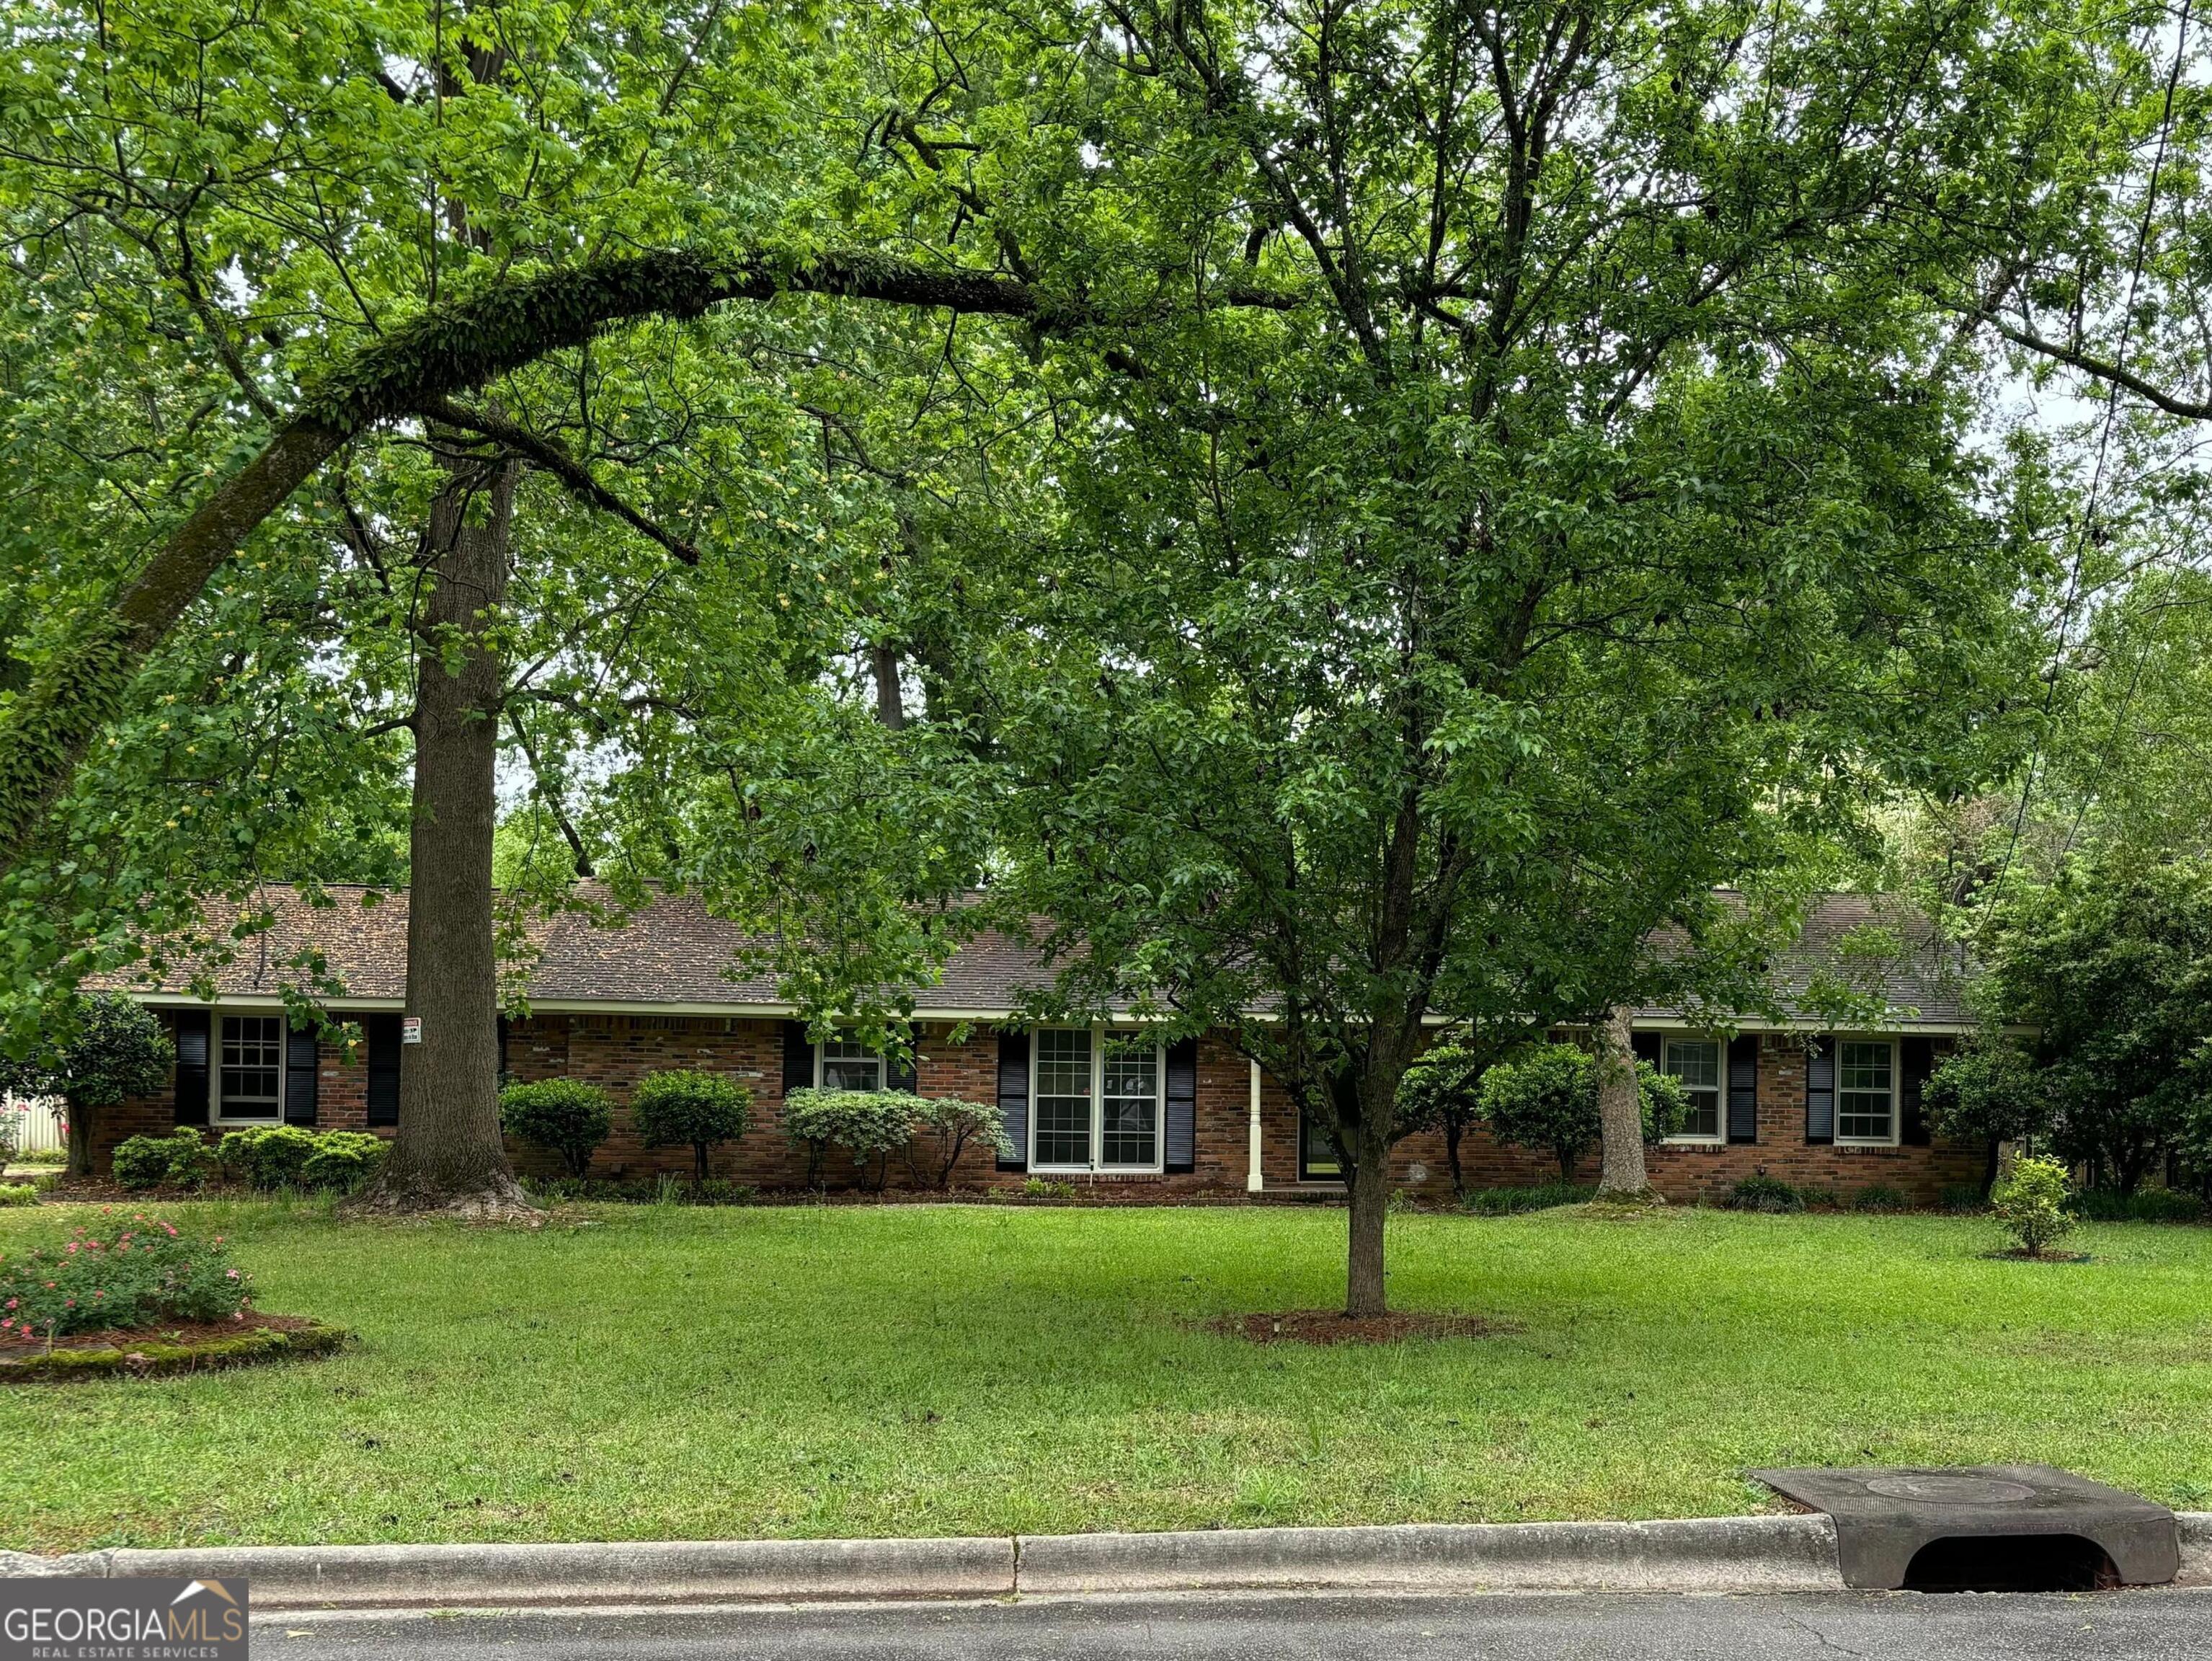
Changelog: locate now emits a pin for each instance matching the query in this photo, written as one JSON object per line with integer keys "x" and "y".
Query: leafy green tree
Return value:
{"x": 2110, "y": 967}
{"x": 1594, "y": 531}
{"x": 1990, "y": 1091}
{"x": 99, "y": 1050}
{"x": 687, "y": 1107}
{"x": 1548, "y": 1099}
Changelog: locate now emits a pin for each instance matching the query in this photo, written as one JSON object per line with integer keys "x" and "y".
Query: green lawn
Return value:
{"x": 644, "y": 1373}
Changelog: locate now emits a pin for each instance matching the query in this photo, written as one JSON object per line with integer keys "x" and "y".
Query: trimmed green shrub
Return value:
{"x": 1510, "y": 1202}
{"x": 265, "y": 1156}
{"x": 940, "y": 1130}
{"x": 129, "y": 1273}
{"x": 1769, "y": 1194}
{"x": 276, "y": 1156}
{"x": 2030, "y": 1204}
{"x": 687, "y": 1108}
{"x": 141, "y": 1162}
{"x": 566, "y": 1116}
{"x": 871, "y": 1124}
{"x": 1878, "y": 1197}
{"x": 342, "y": 1160}
{"x": 2145, "y": 1205}
{"x": 182, "y": 1158}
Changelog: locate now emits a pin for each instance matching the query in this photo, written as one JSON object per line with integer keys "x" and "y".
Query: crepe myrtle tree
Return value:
{"x": 1600, "y": 533}
{"x": 95, "y": 1052}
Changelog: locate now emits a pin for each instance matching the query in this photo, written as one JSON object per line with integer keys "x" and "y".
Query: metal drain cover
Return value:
{"x": 1884, "y": 1515}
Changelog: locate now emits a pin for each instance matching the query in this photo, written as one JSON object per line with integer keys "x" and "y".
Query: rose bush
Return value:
{"x": 133, "y": 1271}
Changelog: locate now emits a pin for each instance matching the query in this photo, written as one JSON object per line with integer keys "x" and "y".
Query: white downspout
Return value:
{"x": 1253, "y": 1180}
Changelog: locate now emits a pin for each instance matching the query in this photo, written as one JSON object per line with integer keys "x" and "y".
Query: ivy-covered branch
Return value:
{"x": 497, "y": 327}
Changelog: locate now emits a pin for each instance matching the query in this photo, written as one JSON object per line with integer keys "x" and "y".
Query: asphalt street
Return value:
{"x": 2153, "y": 1625}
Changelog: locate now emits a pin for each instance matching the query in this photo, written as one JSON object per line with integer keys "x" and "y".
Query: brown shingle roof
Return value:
{"x": 674, "y": 952}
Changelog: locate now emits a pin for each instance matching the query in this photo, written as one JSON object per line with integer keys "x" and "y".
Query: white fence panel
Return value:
{"x": 38, "y": 1124}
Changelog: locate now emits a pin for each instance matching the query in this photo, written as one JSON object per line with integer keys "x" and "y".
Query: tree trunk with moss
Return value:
{"x": 448, "y": 1155}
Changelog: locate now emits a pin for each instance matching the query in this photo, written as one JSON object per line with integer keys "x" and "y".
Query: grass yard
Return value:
{"x": 658, "y": 1373}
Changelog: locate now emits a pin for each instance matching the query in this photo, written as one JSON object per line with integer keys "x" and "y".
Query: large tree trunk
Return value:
{"x": 448, "y": 1156}
{"x": 1620, "y": 1118}
{"x": 79, "y": 1125}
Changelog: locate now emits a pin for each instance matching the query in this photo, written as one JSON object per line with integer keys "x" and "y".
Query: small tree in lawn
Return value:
{"x": 100, "y": 1049}
{"x": 2030, "y": 1204}
{"x": 1548, "y": 1099}
{"x": 566, "y": 1116}
{"x": 702, "y": 1109}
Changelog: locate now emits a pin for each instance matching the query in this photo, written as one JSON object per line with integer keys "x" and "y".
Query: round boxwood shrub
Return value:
{"x": 702, "y": 1109}
{"x": 565, "y": 1117}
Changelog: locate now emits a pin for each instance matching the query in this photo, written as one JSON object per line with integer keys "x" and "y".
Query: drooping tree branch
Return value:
{"x": 497, "y": 327}
{"x": 574, "y": 476}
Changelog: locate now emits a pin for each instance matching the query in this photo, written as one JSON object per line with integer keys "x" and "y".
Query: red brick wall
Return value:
{"x": 617, "y": 1050}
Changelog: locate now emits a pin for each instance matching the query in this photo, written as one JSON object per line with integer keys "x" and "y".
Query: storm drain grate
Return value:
{"x": 1986, "y": 1528}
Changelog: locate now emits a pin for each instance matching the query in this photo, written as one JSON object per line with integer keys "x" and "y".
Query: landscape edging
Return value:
{"x": 1794, "y": 1552}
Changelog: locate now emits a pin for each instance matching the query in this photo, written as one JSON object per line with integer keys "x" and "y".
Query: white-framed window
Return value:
{"x": 1866, "y": 1092}
{"x": 249, "y": 1074}
{"x": 1700, "y": 1064}
{"x": 1095, "y": 1100}
{"x": 847, "y": 1065}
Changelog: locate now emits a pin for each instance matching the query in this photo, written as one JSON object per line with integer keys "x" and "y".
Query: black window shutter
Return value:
{"x": 1014, "y": 1096}
{"x": 1917, "y": 1058}
{"x": 383, "y": 1034}
{"x": 1743, "y": 1087}
{"x": 1821, "y": 1091}
{"x": 191, "y": 1066}
{"x": 1181, "y": 1149}
{"x": 905, "y": 1074}
{"x": 798, "y": 1058}
{"x": 1645, "y": 1046}
{"x": 302, "y": 1071}
{"x": 503, "y": 1080}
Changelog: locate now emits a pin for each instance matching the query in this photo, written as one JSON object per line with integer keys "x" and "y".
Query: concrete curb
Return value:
{"x": 1721, "y": 1554}
{"x": 1695, "y": 1554}
{"x": 2196, "y": 1530}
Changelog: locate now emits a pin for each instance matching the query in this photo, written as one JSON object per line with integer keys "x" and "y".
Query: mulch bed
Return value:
{"x": 175, "y": 1346}
{"x": 1332, "y": 1326}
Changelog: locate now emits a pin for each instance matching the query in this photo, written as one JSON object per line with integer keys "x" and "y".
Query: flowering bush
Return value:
{"x": 131, "y": 1272}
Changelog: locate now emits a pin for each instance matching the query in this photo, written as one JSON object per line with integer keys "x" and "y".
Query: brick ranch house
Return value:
{"x": 1104, "y": 1106}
